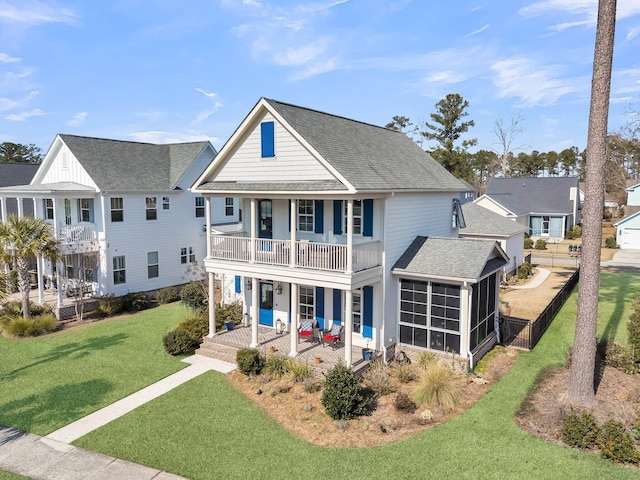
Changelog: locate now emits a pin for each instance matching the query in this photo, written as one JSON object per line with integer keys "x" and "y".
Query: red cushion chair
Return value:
{"x": 332, "y": 336}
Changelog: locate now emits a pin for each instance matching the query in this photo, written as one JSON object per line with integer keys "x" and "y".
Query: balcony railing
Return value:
{"x": 312, "y": 255}
{"x": 69, "y": 234}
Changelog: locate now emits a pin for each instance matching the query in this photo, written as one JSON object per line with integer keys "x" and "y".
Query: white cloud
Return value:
{"x": 32, "y": 13}
{"x": 21, "y": 117}
{"x": 202, "y": 116}
{"x": 633, "y": 33}
{"x": 586, "y": 10}
{"x": 533, "y": 84}
{"x": 205, "y": 93}
{"x": 161, "y": 137}
{"x": 296, "y": 56}
{"x": 11, "y": 104}
{"x": 4, "y": 58}
{"x": 479, "y": 30}
{"x": 77, "y": 120}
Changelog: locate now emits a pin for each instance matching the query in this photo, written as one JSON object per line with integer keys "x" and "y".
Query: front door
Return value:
{"x": 266, "y": 304}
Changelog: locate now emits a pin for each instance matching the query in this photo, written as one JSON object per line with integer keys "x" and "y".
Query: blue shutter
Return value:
{"x": 367, "y": 311}
{"x": 367, "y": 218}
{"x": 91, "y": 219}
{"x": 238, "y": 284}
{"x": 318, "y": 208}
{"x": 267, "y": 136}
{"x": 337, "y": 217}
{"x": 337, "y": 306}
{"x": 320, "y": 306}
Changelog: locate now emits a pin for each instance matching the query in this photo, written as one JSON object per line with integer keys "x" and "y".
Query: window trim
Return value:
{"x": 229, "y": 207}
{"x": 119, "y": 270}
{"x": 166, "y": 203}
{"x": 357, "y": 229}
{"x": 117, "y": 208}
{"x": 306, "y": 310}
{"x": 48, "y": 208}
{"x": 85, "y": 209}
{"x": 309, "y": 223}
{"x": 357, "y": 317}
{"x": 200, "y": 209}
{"x": 151, "y": 208}
{"x": 153, "y": 269}
{"x": 187, "y": 255}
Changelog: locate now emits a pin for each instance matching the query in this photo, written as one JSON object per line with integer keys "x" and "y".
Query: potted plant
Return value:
{"x": 228, "y": 324}
{"x": 367, "y": 353}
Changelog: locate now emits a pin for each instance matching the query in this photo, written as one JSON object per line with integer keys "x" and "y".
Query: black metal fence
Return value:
{"x": 520, "y": 333}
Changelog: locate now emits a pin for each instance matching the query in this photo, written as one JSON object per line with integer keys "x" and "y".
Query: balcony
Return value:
{"x": 328, "y": 257}
{"x": 77, "y": 238}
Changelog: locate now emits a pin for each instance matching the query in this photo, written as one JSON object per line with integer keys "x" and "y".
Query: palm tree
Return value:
{"x": 581, "y": 381}
{"x": 23, "y": 238}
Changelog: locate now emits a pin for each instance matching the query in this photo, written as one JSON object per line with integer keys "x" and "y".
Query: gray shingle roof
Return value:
{"x": 320, "y": 185}
{"x": 482, "y": 221}
{"x": 524, "y": 195}
{"x": 369, "y": 157}
{"x": 16, "y": 173}
{"x": 454, "y": 258}
{"x": 117, "y": 165}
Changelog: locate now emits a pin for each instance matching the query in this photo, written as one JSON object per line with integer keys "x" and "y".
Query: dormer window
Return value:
{"x": 267, "y": 139}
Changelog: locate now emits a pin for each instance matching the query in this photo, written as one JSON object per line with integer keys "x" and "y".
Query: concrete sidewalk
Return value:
{"x": 52, "y": 458}
{"x": 538, "y": 280}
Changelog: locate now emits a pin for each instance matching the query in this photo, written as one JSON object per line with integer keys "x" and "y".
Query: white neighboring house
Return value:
{"x": 628, "y": 232}
{"x": 125, "y": 209}
{"x": 350, "y": 224}
{"x": 483, "y": 223}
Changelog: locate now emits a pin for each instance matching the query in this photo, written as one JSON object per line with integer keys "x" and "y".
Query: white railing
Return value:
{"x": 76, "y": 233}
{"x": 312, "y": 255}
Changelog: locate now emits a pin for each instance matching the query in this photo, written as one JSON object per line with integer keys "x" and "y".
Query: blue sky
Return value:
{"x": 170, "y": 70}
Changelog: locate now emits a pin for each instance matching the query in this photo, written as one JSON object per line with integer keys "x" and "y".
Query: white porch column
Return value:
{"x": 349, "y": 236}
{"x": 254, "y": 223}
{"x": 212, "y": 305}
{"x": 293, "y": 255}
{"x": 59, "y": 283}
{"x": 294, "y": 320}
{"x": 20, "y": 207}
{"x": 207, "y": 209}
{"x": 40, "y": 286}
{"x": 255, "y": 311}
{"x": 466, "y": 295}
{"x": 55, "y": 218}
{"x": 3, "y": 208}
{"x": 348, "y": 327}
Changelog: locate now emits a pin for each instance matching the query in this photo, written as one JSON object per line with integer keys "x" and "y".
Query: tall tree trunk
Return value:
{"x": 581, "y": 382}
{"x": 24, "y": 284}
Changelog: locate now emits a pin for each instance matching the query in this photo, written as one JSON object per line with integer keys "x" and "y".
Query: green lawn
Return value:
{"x": 204, "y": 429}
{"x": 48, "y": 382}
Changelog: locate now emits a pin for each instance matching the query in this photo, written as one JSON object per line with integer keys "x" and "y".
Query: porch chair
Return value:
{"x": 307, "y": 329}
{"x": 333, "y": 336}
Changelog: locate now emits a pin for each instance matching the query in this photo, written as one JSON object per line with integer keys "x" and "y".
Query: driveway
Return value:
{"x": 624, "y": 258}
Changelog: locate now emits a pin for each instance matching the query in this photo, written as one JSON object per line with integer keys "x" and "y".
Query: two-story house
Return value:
{"x": 349, "y": 224}
{"x": 122, "y": 211}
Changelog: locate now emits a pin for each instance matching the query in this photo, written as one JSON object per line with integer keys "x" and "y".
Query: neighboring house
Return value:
{"x": 17, "y": 174}
{"x": 547, "y": 206}
{"x": 469, "y": 193}
{"x": 633, "y": 195}
{"x": 483, "y": 223}
{"x": 122, "y": 211}
{"x": 628, "y": 232}
{"x": 339, "y": 212}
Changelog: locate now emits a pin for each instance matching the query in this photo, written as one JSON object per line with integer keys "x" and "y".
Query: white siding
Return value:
{"x": 514, "y": 247}
{"x": 491, "y": 205}
{"x": 292, "y": 162}
{"x": 66, "y": 168}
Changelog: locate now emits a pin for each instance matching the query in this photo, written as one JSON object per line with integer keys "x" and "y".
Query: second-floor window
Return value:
{"x": 85, "y": 210}
{"x": 119, "y": 273}
{"x": 199, "y": 207}
{"x": 228, "y": 206}
{"x": 165, "y": 203}
{"x": 305, "y": 215}
{"x": 48, "y": 208}
{"x": 152, "y": 211}
{"x": 357, "y": 217}
{"x": 117, "y": 210}
{"x": 187, "y": 255}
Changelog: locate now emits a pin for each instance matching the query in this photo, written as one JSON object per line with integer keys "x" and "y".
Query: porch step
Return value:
{"x": 214, "y": 349}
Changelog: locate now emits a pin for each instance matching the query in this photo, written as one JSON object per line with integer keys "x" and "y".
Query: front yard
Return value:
{"x": 208, "y": 429}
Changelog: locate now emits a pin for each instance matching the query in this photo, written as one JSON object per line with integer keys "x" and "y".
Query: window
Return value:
{"x": 430, "y": 315}
{"x": 85, "y": 210}
{"x": 267, "y": 139}
{"x": 199, "y": 207}
{"x": 357, "y": 312}
{"x": 305, "y": 215}
{"x": 165, "y": 203}
{"x": 117, "y": 210}
{"x": 187, "y": 255}
{"x": 357, "y": 217}
{"x": 306, "y": 303}
{"x": 48, "y": 208}
{"x": 152, "y": 211}
{"x": 119, "y": 274}
{"x": 228, "y": 206}
{"x": 545, "y": 226}
{"x": 483, "y": 305}
{"x": 152, "y": 264}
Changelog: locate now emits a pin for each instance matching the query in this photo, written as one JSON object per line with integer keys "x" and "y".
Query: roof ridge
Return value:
{"x": 84, "y": 137}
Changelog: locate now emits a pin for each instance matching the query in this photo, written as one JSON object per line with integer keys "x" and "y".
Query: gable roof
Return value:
{"x": 364, "y": 157}
{"x": 461, "y": 259}
{"x": 626, "y": 219}
{"x": 119, "y": 165}
{"x": 482, "y": 221}
{"x": 632, "y": 188}
{"x": 522, "y": 195}
{"x": 16, "y": 173}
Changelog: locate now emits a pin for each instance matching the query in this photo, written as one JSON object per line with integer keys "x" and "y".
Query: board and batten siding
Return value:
{"x": 292, "y": 161}
{"x": 66, "y": 168}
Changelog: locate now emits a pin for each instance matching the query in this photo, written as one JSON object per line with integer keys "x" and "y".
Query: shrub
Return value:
{"x": 312, "y": 384}
{"x": 617, "y": 356}
{"x": 194, "y": 295}
{"x": 616, "y": 443}
{"x": 425, "y": 359}
{"x": 403, "y": 372}
{"x": 403, "y": 403}
{"x": 577, "y": 231}
{"x": 541, "y": 244}
{"x": 168, "y": 295}
{"x": 109, "y": 304}
{"x": 570, "y": 235}
{"x": 231, "y": 312}
{"x": 135, "y": 301}
{"x": 528, "y": 243}
{"x": 610, "y": 242}
{"x": 437, "y": 387}
{"x": 14, "y": 309}
{"x": 378, "y": 381}
{"x": 196, "y": 325}
{"x": 524, "y": 270}
{"x": 299, "y": 372}
{"x": 579, "y": 430}
{"x": 633, "y": 328}
{"x": 343, "y": 396}
{"x": 249, "y": 361}
{"x": 37, "y": 325}
{"x": 177, "y": 342}
{"x": 276, "y": 366}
